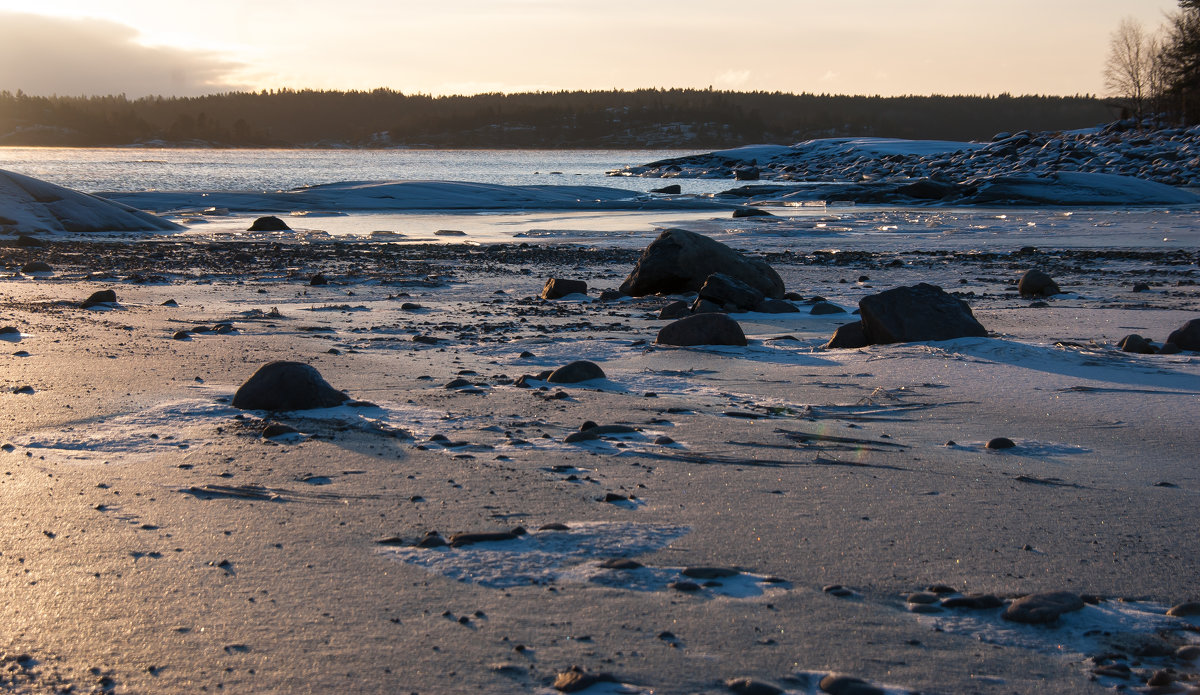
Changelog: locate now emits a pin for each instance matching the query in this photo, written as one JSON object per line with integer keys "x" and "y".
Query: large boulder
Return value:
{"x": 680, "y": 261}
{"x": 270, "y": 223}
{"x": 287, "y": 386}
{"x": 727, "y": 290}
{"x": 1036, "y": 283}
{"x": 1187, "y": 336}
{"x": 575, "y": 372}
{"x": 917, "y": 313}
{"x": 556, "y": 288}
{"x": 848, "y": 337}
{"x": 702, "y": 329}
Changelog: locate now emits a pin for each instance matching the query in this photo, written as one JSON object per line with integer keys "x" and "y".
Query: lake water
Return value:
{"x": 96, "y": 170}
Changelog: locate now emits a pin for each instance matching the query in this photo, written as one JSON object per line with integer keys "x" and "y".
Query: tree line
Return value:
{"x": 650, "y": 118}
{"x": 1156, "y": 73}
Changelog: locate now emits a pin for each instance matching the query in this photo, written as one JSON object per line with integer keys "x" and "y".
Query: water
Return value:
{"x": 95, "y": 170}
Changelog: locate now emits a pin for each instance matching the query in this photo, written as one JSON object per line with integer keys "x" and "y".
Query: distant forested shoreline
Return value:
{"x": 649, "y": 118}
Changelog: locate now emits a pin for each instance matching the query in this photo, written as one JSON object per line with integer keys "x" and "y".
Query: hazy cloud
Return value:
{"x": 48, "y": 55}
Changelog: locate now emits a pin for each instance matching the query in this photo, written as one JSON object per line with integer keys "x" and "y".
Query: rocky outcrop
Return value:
{"x": 680, "y": 261}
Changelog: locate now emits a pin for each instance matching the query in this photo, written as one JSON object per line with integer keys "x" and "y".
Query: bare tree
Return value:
{"x": 1131, "y": 72}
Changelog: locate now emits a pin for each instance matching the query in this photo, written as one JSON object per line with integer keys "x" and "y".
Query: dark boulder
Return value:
{"x": 674, "y": 310}
{"x": 100, "y": 297}
{"x": 927, "y": 189}
{"x": 917, "y": 313}
{"x": 269, "y": 223}
{"x": 680, "y": 261}
{"x": 557, "y": 288}
{"x": 1035, "y": 283}
{"x": 318, "y": 280}
{"x": 726, "y": 290}
{"x": 673, "y": 189}
{"x": 580, "y": 370}
{"x": 847, "y": 337}
{"x": 37, "y": 267}
{"x": 750, "y": 212}
{"x": 706, "y": 306}
{"x": 776, "y": 306}
{"x": 1136, "y": 343}
{"x": 821, "y": 308}
{"x": 287, "y": 386}
{"x": 702, "y": 329}
{"x": 1187, "y": 336}
{"x": 746, "y": 174}
{"x": 28, "y": 242}
{"x": 1036, "y": 609}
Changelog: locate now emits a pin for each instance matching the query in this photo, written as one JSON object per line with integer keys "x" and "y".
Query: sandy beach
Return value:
{"x": 778, "y": 502}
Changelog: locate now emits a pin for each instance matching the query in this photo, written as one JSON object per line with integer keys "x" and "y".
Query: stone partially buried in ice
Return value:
{"x": 917, "y": 313}
{"x": 575, "y": 372}
{"x": 1187, "y": 336}
{"x": 100, "y": 297}
{"x": 270, "y": 223}
{"x": 1036, "y": 609}
{"x": 702, "y": 329}
{"x": 287, "y": 386}
{"x": 679, "y": 261}
{"x": 557, "y": 288}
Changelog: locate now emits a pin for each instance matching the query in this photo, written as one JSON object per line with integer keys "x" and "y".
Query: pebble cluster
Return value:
{"x": 1166, "y": 155}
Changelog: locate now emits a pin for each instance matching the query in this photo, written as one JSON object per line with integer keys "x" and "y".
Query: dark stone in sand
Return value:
{"x": 10, "y": 330}
{"x": 847, "y": 337}
{"x": 182, "y": 335}
{"x": 276, "y": 429}
{"x": 432, "y": 539}
{"x": 607, "y": 429}
{"x": 575, "y": 372}
{"x": 974, "y": 602}
{"x": 1190, "y": 652}
{"x": 776, "y": 306}
{"x": 456, "y": 383}
{"x": 673, "y": 189}
{"x": 461, "y": 539}
{"x": 611, "y": 497}
{"x": 750, "y": 212}
{"x": 709, "y": 572}
{"x": 746, "y": 174}
{"x": 705, "y": 306}
{"x": 584, "y": 436}
{"x": 621, "y": 563}
{"x": 674, "y": 310}
{"x": 287, "y": 386}
{"x": 1169, "y": 348}
{"x": 922, "y": 597}
{"x": 100, "y": 297}
{"x": 821, "y": 308}
{"x": 679, "y": 261}
{"x": 1035, "y": 283}
{"x": 449, "y": 232}
{"x": 269, "y": 223}
{"x": 837, "y": 590}
{"x": 610, "y": 295}
{"x": 1185, "y": 609}
{"x": 1036, "y": 609}
{"x": 554, "y": 526}
{"x": 1141, "y": 287}
{"x": 559, "y": 287}
{"x": 702, "y": 329}
{"x": 318, "y": 279}
{"x": 574, "y": 680}
{"x": 26, "y": 241}
{"x": 749, "y": 686}
{"x": 1160, "y": 679}
{"x": 917, "y": 313}
{"x": 848, "y": 685}
{"x": 1187, "y": 336}
{"x": 170, "y": 302}
{"x": 686, "y": 587}
{"x": 727, "y": 290}
{"x": 1000, "y": 443}
{"x": 37, "y": 267}
{"x": 1136, "y": 343}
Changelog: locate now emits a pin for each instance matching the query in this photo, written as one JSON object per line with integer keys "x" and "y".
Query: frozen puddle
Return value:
{"x": 586, "y": 552}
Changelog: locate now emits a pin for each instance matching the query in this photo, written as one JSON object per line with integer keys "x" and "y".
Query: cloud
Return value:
{"x": 732, "y": 79}
{"x": 49, "y": 55}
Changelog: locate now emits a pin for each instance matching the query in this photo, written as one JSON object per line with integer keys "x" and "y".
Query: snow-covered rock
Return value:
{"x": 32, "y": 205}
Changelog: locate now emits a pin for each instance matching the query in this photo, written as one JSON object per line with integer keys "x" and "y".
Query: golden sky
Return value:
{"x": 888, "y": 47}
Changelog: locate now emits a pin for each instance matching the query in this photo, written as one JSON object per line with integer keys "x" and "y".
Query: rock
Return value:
{"x": 1035, "y": 283}
{"x": 1000, "y": 443}
{"x": 1141, "y": 287}
{"x": 673, "y": 189}
{"x": 182, "y": 335}
{"x": 575, "y": 679}
{"x": 973, "y": 602}
{"x": 1187, "y": 336}
{"x": 170, "y": 302}
{"x": 269, "y": 224}
{"x": 750, "y": 212}
{"x": 749, "y": 686}
{"x": 27, "y": 242}
{"x": 276, "y": 429}
{"x": 1185, "y": 609}
{"x": 1136, "y": 343}
{"x": 100, "y": 297}
{"x": 287, "y": 386}
{"x": 705, "y": 306}
{"x": 674, "y": 310}
{"x": 584, "y": 436}
{"x": 460, "y": 539}
{"x": 1169, "y": 348}
{"x": 575, "y": 372}
{"x": 702, "y": 329}
{"x": 848, "y": 336}
{"x": 611, "y": 295}
{"x": 37, "y": 267}
{"x": 680, "y": 261}
{"x": 558, "y": 287}
{"x": 922, "y": 597}
{"x": 848, "y": 685}
{"x": 709, "y": 572}
{"x": 318, "y": 279}
{"x": 1036, "y": 609}
{"x": 776, "y": 306}
{"x": 449, "y": 232}
{"x": 917, "y": 313}
{"x": 746, "y": 174}
{"x": 821, "y": 308}
{"x": 726, "y": 290}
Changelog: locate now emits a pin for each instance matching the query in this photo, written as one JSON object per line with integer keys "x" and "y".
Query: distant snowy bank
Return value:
{"x": 32, "y": 205}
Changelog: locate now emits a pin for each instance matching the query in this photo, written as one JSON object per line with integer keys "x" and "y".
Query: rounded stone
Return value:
{"x": 575, "y": 372}
{"x": 287, "y": 386}
{"x": 1036, "y": 283}
{"x": 1000, "y": 443}
{"x": 702, "y": 329}
{"x": 848, "y": 685}
{"x": 269, "y": 223}
{"x": 1036, "y": 609}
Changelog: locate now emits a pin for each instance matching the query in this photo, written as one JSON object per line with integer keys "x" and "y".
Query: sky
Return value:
{"x": 886, "y": 47}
